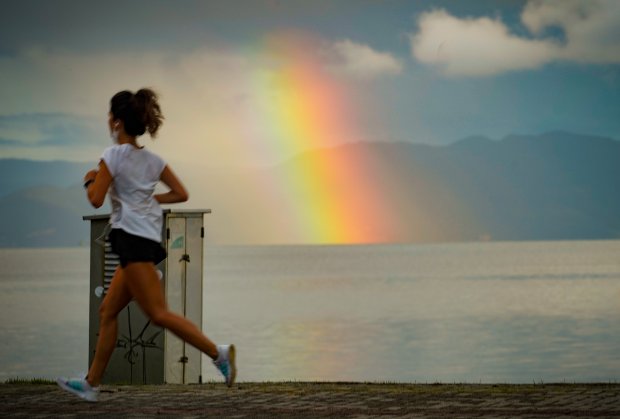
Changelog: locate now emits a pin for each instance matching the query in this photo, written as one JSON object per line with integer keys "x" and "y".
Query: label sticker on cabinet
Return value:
{"x": 178, "y": 243}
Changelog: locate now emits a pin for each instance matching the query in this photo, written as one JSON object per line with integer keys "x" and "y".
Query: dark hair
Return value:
{"x": 139, "y": 112}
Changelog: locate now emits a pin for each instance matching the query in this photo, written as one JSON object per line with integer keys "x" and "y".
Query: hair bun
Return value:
{"x": 140, "y": 112}
{"x": 148, "y": 107}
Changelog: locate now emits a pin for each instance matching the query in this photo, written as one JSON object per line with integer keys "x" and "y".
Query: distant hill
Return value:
{"x": 39, "y": 173}
{"x": 42, "y": 203}
{"x": 552, "y": 186}
{"x": 45, "y": 216}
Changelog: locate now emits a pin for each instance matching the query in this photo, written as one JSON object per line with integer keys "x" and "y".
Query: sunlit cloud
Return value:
{"x": 361, "y": 61}
{"x": 483, "y": 46}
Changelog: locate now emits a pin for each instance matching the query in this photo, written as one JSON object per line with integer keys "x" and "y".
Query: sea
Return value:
{"x": 484, "y": 312}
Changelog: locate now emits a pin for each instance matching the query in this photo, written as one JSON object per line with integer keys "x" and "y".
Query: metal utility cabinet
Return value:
{"x": 145, "y": 353}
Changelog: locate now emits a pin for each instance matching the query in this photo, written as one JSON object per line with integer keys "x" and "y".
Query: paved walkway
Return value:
{"x": 310, "y": 400}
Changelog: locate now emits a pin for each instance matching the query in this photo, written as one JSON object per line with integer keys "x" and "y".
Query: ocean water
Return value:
{"x": 510, "y": 312}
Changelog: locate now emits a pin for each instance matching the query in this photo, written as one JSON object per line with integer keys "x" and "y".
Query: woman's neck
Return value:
{"x": 127, "y": 139}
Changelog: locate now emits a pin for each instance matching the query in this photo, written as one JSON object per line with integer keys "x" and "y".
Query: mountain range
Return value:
{"x": 553, "y": 186}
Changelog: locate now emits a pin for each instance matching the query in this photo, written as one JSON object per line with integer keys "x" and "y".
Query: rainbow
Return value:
{"x": 328, "y": 197}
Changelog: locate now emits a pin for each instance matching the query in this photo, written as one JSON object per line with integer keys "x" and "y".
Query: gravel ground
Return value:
{"x": 311, "y": 400}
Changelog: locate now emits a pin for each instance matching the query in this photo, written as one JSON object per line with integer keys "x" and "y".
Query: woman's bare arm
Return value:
{"x": 99, "y": 187}
{"x": 177, "y": 192}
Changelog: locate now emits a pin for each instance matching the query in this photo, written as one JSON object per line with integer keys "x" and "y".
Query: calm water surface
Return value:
{"x": 476, "y": 312}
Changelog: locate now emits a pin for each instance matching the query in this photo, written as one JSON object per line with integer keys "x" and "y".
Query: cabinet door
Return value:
{"x": 175, "y": 297}
{"x": 193, "y": 302}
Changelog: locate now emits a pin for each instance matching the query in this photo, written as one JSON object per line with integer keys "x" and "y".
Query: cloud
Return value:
{"x": 592, "y": 28}
{"x": 198, "y": 94}
{"x": 37, "y": 134}
{"x": 361, "y": 61}
{"x": 475, "y": 47}
{"x": 216, "y": 98}
{"x": 45, "y": 129}
{"x": 7, "y": 142}
{"x": 485, "y": 46}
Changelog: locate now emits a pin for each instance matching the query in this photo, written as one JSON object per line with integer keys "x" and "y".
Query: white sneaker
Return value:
{"x": 79, "y": 387}
{"x": 225, "y": 362}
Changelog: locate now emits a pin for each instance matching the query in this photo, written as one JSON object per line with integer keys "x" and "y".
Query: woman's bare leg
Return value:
{"x": 144, "y": 285}
{"x": 116, "y": 299}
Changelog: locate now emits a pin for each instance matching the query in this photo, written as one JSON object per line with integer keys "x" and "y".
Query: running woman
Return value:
{"x": 128, "y": 173}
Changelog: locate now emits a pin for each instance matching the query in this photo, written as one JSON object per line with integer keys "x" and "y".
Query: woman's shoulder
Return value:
{"x": 151, "y": 154}
{"x": 116, "y": 151}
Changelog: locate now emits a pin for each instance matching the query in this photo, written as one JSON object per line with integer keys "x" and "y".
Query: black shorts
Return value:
{"x": 131, "y": 248}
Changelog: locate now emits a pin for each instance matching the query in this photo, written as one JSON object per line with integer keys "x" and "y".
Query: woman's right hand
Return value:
{"x": 90, "y": 175}
{"x": 98, "y": 188}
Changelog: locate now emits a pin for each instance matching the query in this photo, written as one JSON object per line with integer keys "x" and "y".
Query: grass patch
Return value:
{"x": 29, "y": 381}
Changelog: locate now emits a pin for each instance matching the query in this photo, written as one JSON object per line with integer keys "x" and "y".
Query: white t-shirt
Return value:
{"x": 135, "y": 173}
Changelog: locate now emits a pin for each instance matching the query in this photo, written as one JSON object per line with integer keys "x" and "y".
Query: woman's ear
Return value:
{"x": 119, "y": 125}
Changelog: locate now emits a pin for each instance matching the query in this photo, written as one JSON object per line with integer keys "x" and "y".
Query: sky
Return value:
{"x": 251, "y": 84}
{"x": 428, "y": 72}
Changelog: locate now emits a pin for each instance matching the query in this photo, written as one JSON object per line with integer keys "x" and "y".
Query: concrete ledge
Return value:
{"x": 310, "y": 400}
